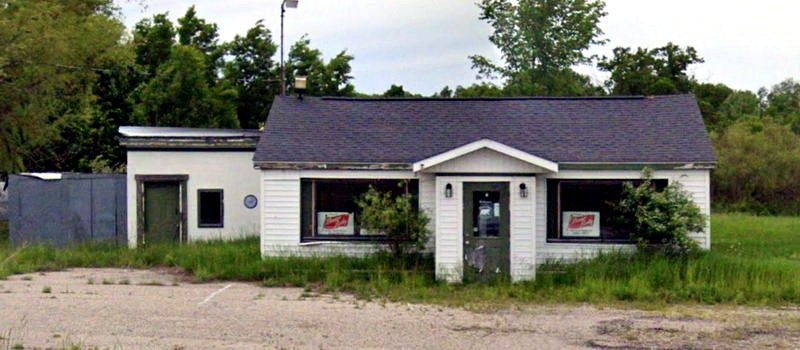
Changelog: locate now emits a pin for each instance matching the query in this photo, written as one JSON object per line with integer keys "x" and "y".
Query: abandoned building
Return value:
{"x": 508, "y": 183}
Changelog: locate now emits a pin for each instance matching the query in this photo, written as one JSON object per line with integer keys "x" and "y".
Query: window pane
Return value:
{"x": 486, "y": 213}
{"x": 210, "y": 208}
{"x": 329, "y": 208}
{"x": 584, "y": 209}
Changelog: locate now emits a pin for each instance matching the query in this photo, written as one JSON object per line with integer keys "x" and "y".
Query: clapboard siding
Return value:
{"x": 523, "y": 219}
{"x": 696, "y": 182}
{"x": 449, "y": 249}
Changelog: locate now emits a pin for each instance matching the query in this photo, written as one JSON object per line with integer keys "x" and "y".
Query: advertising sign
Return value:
{"x": 580, "y": 224}
{"x": 335, "y": 223}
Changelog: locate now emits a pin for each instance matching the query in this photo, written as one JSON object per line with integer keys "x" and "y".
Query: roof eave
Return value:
{"x": 207, "y": 143}
{"x": 278, "y": 165}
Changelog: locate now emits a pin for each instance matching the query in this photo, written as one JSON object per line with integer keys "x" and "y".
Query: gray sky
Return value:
{"x": 424, "y": 44}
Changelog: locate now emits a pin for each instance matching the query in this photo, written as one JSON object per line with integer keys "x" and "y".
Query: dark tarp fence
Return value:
{"x": 78, "y": 208}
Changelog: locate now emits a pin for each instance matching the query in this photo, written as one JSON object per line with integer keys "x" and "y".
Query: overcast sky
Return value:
{"x": 424, "y": 44}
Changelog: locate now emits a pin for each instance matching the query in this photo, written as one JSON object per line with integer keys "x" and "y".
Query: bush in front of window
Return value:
{"x": 405, "y": 226}
{"x": 659, "y": 220}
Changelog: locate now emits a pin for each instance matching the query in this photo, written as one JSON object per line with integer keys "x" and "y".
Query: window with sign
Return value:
{"x": 583, "y": 210}
{"x": 329, "y": 210}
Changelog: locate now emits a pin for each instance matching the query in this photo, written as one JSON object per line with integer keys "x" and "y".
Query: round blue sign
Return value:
{"x": 250, "y": 201}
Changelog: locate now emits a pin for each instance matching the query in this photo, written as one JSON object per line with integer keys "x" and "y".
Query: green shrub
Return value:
{"x": 660, "y": 219}
{"x": 404, "y": 225}
{"x": 759, "y": 164}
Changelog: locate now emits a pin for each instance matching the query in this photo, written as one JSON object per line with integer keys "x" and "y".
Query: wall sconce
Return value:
{"x": 448, "y": 191}
{"x": 523, "y": 190}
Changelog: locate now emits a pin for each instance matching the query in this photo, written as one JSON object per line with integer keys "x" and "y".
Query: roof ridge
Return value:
{"x": 507, "y": 98}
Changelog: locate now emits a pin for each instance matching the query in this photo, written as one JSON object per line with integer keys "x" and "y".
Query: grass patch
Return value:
{"x": 753, "y": 261}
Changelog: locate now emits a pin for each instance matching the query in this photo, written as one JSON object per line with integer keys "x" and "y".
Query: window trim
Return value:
{"x": 558, "y": 238}
{"x": 221, "y": 223}
{"x": 356, "y": 237}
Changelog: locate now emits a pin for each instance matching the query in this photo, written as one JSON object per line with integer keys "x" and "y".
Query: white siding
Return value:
{"x": 281, "y": 214}
{"x": 231, "y": 171}
{"x": 696, "y": 182}
{"x": 449, "y": 227}
{"x": 485, "y": 161}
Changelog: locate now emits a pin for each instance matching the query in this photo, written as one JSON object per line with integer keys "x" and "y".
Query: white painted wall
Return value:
{"x": 450, "y": 229}
{"x": 231, "y": 171}
{"x": 696, "y": 182}
{"x": 280, "y": 193}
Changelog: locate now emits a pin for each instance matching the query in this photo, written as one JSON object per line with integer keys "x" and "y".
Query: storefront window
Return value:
{"x": 329, "y": 210}
{"x": 583, "y": 210}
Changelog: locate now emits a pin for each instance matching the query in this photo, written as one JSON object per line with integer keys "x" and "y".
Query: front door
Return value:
{"x": 486, "y": 230}
{"x": 162, "y": 214}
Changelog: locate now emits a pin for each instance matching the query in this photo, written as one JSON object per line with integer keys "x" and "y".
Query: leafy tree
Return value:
{"x": 153, "y": 40}
{"x": 398, "y": 91}
{"x": 710, "y": 98}
{"x": 659, "y": 218}
{"x": 51, "y": 53}
{"x": 479, "y": 90}
{"x": 180, "y": 95}
{"x": 540, "y": 41}
{"x": 404, "y": 225}
{"x": 783, "y": 100}
{"x": 758, "y": 167}
{"x": 194, "y": 31}
{"x": 659, "y": 71}
{"x": 446, "y": 92}
{"x": 254, "y": 74}
{"x": 331, "y": 79}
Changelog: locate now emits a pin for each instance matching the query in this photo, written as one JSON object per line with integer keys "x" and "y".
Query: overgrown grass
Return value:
{"x": 754, "y": 261}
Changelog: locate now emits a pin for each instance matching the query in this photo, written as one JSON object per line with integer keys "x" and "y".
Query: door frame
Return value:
{"x": 464, "y": 214}
{"x": 141, "y": 180}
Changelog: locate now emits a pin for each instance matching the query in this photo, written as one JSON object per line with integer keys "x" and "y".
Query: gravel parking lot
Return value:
{"x": 117, "y": 308}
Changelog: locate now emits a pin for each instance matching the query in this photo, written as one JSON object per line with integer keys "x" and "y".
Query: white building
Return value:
{"x": 186, "y": 185}
{"x": 508, "y": 183}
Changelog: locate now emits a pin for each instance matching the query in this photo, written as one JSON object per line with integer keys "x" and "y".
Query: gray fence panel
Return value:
{"x": 104, "y": 205}
{"x": 78, "y": 208}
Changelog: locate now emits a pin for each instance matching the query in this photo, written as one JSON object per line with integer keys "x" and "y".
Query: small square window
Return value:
{"x": 210, "y": 208}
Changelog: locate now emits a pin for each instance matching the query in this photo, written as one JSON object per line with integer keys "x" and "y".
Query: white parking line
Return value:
{"x": 212, "y": 295}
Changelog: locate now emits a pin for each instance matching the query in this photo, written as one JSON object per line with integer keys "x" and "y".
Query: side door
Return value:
{"x": 162, "y": 214}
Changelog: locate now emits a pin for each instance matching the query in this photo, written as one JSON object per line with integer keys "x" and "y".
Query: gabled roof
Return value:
{"x": 592, "y": 130}
{"x": 485, "y": 144}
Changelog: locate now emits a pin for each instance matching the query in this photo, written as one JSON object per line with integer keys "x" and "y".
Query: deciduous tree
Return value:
{"x": 254, "y": 74}
{"x": 540, "y": 42}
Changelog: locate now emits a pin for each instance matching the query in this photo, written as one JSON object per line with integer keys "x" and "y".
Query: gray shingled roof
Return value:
{"x": 565, "y": 130}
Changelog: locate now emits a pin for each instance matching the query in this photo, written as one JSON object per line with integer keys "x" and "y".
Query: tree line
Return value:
{"x": 71, "y": 74}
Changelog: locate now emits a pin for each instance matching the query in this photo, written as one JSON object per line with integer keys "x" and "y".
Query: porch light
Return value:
{"x": 523, "y": 190}
{"x": 448, "y": 191}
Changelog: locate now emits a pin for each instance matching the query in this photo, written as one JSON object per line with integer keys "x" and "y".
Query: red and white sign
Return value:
{"x": 335, "y": 223}
{"x": 580, "y": 224}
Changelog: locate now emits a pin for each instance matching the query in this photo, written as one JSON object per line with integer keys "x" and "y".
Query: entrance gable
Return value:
{"x": 485, "y": 156}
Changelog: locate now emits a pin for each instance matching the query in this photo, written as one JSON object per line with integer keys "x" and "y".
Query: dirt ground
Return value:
{"x": 136, "y": 309}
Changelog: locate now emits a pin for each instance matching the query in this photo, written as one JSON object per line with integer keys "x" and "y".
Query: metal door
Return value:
{"x": 162, "y": 214}
{"x": 486, "y": 230}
